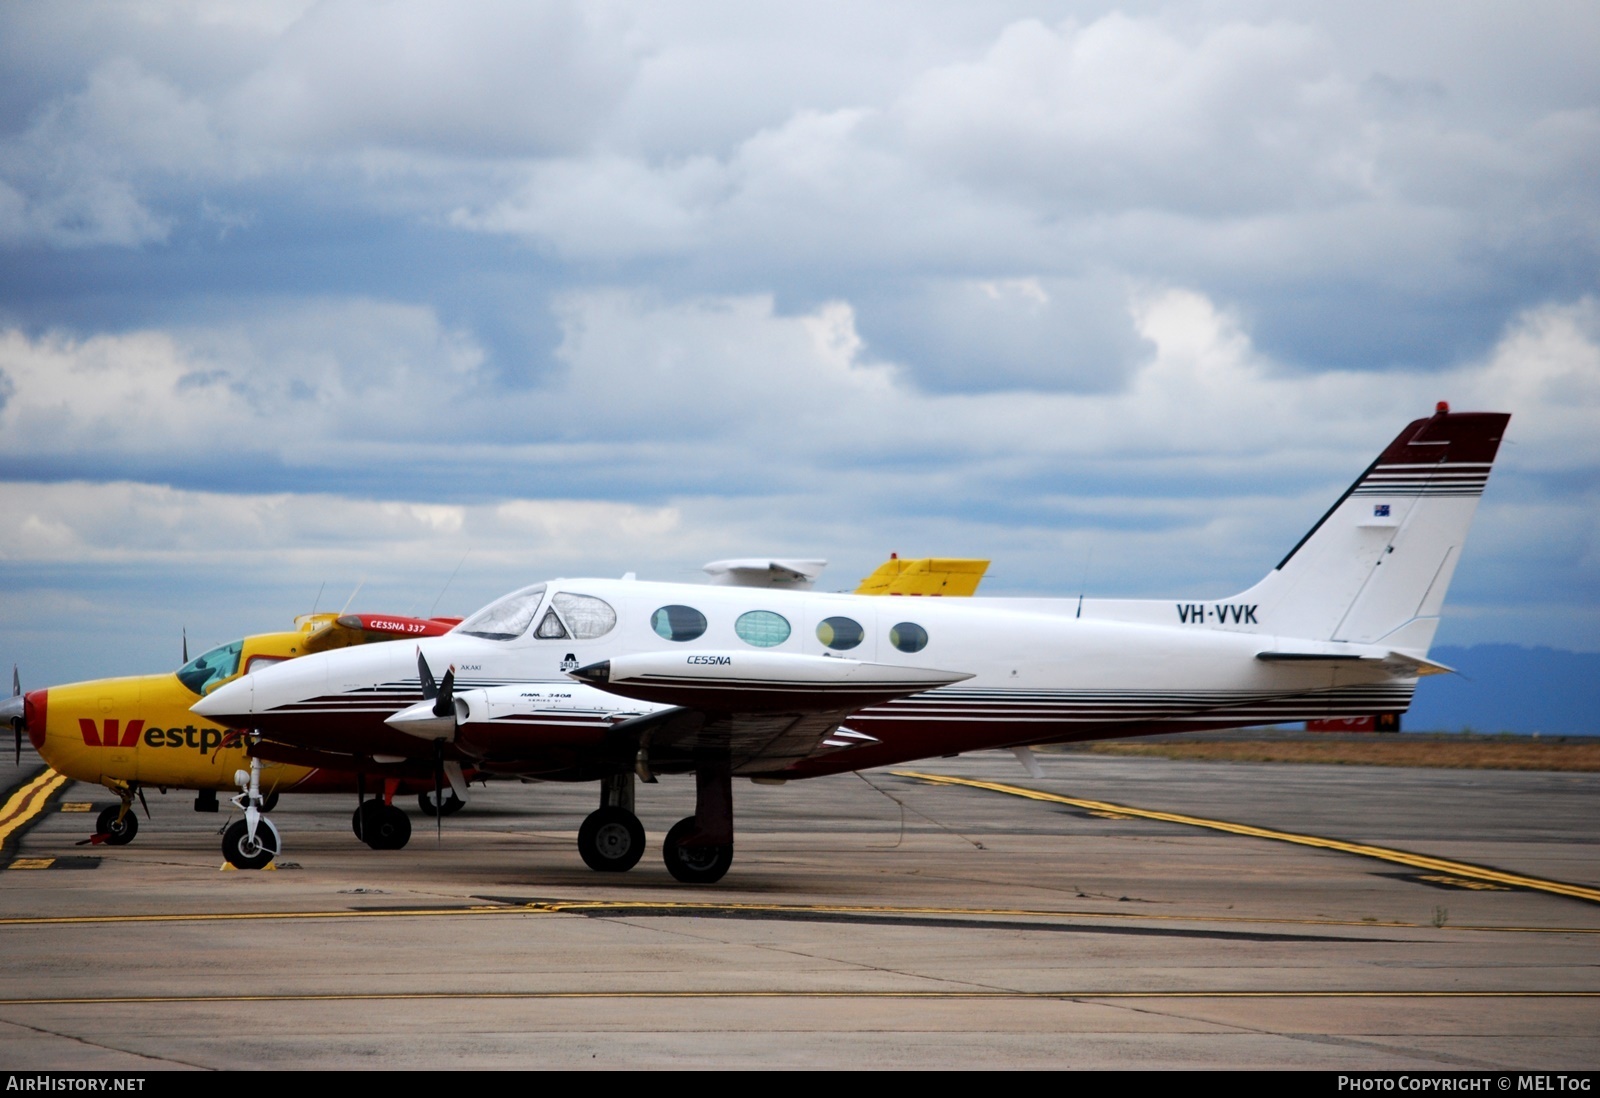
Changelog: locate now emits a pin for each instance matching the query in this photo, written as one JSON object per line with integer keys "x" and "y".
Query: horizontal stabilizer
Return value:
{"x": 1398, "y": 663}
{"x": 949, "y": 576}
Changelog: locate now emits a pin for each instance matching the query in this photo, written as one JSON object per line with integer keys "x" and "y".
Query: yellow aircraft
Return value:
{"x": 948, "y": 576}
{"x": 130, "y": 733}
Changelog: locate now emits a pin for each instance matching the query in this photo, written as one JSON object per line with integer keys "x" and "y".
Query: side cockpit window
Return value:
{"x": 586, "y": 616}
{"x": 211, "y": 668}
{"x": 506, "y": 618}
{"x": 550, "y": 628}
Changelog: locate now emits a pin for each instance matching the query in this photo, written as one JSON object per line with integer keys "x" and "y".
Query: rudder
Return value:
{"x": 1376, "y": 566}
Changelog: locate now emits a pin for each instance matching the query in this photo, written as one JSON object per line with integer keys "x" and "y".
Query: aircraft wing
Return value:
{"x": 760, "y": 711}
{"x": 328, "y": 631}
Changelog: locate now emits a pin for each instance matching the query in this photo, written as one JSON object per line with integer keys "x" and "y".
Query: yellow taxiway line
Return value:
{"x": 28, "y": 802}
{"x": 1365, "y": 850}
{"x": 412, "y": 996}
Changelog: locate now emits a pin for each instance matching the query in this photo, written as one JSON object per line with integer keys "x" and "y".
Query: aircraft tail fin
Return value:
{"x": 1375, "y": 568}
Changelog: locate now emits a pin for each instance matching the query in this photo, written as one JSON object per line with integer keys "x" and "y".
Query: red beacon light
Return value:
{"x": 1442, "y": 408}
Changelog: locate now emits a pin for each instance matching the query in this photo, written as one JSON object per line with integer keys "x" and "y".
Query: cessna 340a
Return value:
{"x": 130, "y": 733}
{"x": 613, "y": 680}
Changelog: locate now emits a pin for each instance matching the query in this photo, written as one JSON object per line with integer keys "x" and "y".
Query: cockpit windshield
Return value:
{"x": 506, "y": 618}
{"x": 213, "y": 667}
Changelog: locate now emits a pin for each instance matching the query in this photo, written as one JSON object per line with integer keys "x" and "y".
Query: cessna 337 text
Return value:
{"x": 611, "y": 680}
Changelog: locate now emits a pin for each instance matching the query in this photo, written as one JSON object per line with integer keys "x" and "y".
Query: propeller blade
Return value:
{"x": 444, "y": 704}
{"x": 430, "y": 689}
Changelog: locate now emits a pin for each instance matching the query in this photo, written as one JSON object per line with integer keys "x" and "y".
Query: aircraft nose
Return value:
{"x": 29, "y": 717}
{"x": 236, "y": 699}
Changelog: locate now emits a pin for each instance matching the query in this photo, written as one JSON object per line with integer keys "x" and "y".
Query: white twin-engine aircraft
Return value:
{"x": 612, "y": 680}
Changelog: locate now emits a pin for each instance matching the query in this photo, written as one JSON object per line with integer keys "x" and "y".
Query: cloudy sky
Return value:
{"x": 439, "y": 299}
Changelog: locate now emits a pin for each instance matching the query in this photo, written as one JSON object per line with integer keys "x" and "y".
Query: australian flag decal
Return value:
{"x": 1380, "y": 510}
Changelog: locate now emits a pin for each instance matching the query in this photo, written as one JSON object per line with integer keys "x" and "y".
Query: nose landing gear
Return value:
{"x": 250, "y": 843}
{"x": 118, "y": 824}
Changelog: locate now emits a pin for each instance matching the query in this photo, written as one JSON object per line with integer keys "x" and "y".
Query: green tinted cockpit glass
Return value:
{"x": 211, "y": 668}
{"x": 505, "y": 618}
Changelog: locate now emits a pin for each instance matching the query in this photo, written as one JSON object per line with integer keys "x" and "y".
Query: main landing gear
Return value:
{"x": 698, "y": 849}
{"x": 611, "y": 839}
{"x": 250, "y": 843}
{"x": 381, "y": 825}
{"x": 377, "y": 822}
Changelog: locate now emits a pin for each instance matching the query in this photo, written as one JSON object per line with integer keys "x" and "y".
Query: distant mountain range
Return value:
{"x": 1508, "y": 688}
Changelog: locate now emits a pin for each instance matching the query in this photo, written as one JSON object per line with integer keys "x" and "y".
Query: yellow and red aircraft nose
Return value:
{"x": 34, "y": 705}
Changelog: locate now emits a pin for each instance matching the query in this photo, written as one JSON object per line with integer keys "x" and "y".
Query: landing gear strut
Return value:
{"x": 699, "y": 848}
{"x": 250, "y": 843}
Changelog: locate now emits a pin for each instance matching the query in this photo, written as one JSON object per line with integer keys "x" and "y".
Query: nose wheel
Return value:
{"x": 251, "y": 843}
{"x": 247, "y": 850}
{"x": 118, "y": 824}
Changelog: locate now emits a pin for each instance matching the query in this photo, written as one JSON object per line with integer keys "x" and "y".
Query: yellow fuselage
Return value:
{"x": 139, "y": 731}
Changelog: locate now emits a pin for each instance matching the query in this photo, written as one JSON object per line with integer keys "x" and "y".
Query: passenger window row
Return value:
{"x": 765, "y": 629}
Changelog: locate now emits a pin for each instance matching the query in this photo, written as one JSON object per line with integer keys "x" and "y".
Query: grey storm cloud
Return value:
{"x": 1013, "y": 279}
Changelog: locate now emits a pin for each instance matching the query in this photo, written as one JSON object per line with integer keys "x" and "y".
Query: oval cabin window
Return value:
{"x": 678, "y": 623}
{"x": 909, "y": 637}
{"x": 762, "y": 628}
{"x": 840, "y": 634}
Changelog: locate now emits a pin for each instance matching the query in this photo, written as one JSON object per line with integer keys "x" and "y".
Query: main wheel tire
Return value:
{"x": 694, "y": 864}
{"x": 611, "y": 840}
{"x": 117, "y": 832}
{"x": 452, "y": 803}
{"x": 242, "y": 853}
{"x": 381, "y": 826}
